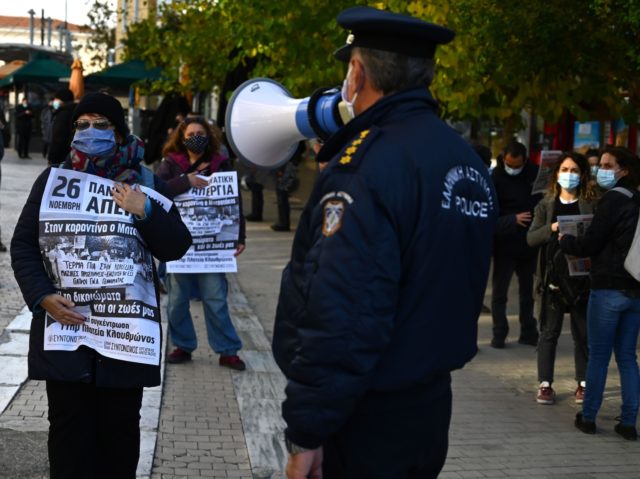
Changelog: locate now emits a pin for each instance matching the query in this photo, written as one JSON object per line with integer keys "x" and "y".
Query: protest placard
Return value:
{"x": 95, "y": 257}
{"x": 212, "y": 215}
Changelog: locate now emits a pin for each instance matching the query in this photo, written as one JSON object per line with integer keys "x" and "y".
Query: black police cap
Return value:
{"x": 394, "y": 32}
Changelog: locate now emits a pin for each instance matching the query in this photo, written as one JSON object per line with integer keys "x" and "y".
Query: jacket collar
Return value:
{"x": 387, "y": 109}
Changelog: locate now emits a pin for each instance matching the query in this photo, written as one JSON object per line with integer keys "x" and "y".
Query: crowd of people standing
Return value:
{"x": 603, "y": 307}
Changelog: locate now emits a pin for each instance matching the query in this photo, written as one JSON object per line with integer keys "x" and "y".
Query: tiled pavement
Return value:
{"x": 219, "y": 423}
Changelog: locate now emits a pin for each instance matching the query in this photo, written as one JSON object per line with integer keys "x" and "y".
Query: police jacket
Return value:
{"x": 607, "y": 240}
{"x": 514, "y": 196}
{"x": 388, "y": 267}
{"x": 167, "y": 238}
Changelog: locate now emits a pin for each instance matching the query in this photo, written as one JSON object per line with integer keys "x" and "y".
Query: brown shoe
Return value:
{"x": 580, "y": 394}
{"x": 232, "y": 362}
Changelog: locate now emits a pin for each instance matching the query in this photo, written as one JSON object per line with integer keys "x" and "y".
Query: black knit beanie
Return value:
{"x": 105, "y": 105}
{"x": 64, "y": 94}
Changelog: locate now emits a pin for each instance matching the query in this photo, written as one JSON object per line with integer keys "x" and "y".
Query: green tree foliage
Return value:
{"x": 546, "y": 57}
{"x": 103, "y": 35}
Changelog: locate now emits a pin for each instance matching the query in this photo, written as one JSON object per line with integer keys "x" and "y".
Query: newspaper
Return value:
{"x": 212, "y": 215}
{"x": 576, "y": 225}
{"x": 96, "y": 258}
{"x": 548, "y": 159}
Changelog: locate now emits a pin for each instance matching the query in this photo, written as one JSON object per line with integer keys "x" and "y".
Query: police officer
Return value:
{"x": 388, "y": 269}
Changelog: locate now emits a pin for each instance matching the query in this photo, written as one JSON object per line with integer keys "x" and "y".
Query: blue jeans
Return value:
{"x": 613, "y": 322}
{"x": 221, "y": 334}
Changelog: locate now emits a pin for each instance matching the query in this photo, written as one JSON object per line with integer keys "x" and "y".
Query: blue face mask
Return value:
{"x": 513, "y": 171}
{"x": 569, "y": 181}
{"x": 606, "y": 178}
{"x": 94, "y": 142}
{"x": 594, "y": 170}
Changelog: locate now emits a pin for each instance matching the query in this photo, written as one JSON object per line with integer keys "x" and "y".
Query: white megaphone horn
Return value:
{"x": 264, "y": 123}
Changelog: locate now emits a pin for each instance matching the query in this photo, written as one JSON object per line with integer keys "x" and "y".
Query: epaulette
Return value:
{"x": 355, "y": 150}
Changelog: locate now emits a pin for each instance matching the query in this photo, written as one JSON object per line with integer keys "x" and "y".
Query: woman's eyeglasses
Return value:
{"x": 97, "y": 124}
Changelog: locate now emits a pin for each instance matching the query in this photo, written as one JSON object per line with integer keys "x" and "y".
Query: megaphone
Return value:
{"x": 264, "y": 123}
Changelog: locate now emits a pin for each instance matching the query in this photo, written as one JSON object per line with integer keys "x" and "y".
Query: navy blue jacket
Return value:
{"x": 388, "y": 268}
{"x": 167, "y": 238}
{"x": 514, "y": 196}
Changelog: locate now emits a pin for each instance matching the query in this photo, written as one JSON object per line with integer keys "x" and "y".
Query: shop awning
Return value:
{"x": 38, "y": 71}
{"x": 123, "y": 74}
{"x": 11, "y": 67}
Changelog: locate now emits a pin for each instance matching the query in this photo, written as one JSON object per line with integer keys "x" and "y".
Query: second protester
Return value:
{"x": 193, "y": 149}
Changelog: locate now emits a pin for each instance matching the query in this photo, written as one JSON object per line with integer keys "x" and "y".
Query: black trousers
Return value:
{"x": 550, "y": 330}
{"x": 94, "y": 433}
{"x": 397, "y": 435}
{"x": 503, "y": 269}
{"x": 24, "y": 137}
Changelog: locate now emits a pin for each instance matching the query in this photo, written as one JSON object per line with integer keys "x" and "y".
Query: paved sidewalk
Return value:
{"x": 215, "y": 422}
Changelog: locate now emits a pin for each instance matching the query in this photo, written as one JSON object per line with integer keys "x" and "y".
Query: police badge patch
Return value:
{"x": 332, "y": 220}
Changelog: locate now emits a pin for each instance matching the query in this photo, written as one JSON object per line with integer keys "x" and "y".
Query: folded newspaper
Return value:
{"x": 576, "y": 225}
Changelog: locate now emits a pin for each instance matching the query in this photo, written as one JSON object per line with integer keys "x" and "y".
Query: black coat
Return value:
{"x": 388, "y": 267}
{"x": 607, "y": 240}
{"x": 167, "y": 239}
{"x": 61, "y": 134}
{"x": 514, "y": 196}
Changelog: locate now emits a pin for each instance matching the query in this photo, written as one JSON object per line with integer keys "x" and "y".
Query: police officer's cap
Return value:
{"x": 380, "y": 30}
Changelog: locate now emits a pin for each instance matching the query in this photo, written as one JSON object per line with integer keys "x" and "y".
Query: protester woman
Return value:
{"x": 94, "y": 400}
{"x": 557, "y": 293}
{"x": 613, "y": 314}
{"x": 194, "y": 149}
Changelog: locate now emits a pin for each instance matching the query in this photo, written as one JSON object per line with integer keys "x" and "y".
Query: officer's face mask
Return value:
{"x": 568, "y": 180}
{"x": 345, "y": 93}
{"x": 56, "y": 104}
{"x": 94, "y": 142}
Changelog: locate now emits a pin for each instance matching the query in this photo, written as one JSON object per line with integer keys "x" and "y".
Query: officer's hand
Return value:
{"x": 195, "y": 181}
{"x": 239, "y": 249}
{"x": 61, "y": 309}
{"x": 523, "y": 219}
{"x": 305, "y": 465}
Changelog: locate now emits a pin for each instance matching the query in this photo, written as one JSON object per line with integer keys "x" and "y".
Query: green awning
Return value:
{"x": 38, "y": 71}
{"x": 123, "y": 74}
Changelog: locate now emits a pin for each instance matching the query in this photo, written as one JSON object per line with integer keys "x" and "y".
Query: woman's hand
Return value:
{"x": 61, "y": 309}
{"x": 554, "y": 227}
{"x": 130, "y": 199}
{"x": 195, "y": 181}
{"x": 239, "y": 250}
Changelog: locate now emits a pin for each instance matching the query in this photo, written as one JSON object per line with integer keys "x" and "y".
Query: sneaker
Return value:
{"x": 279, "y": 227}
{"x": 580, "y": 394}
{"x": 232, "y": 362}
{"x": 627, "y": 432}
{"x": 178, "y": 356}
{"x": 588, "y": 427}
{"x": 546, "y": 394}
{"x": 497, "y": 343}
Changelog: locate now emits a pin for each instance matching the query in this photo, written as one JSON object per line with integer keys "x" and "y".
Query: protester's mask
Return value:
{"x": 56, "y": 104}
{"x": 594, "y": 170}
{"x": 94, "y": 142}
{"x": 196, "y": 143}
{"x": 606, "y": 178}
{"x": 513, "y": 171}
{"x": 568, "y": 181}
{"x": 345, "y": 94}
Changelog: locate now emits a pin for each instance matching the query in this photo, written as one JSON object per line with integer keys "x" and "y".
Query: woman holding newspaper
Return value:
{"x": 613, "y": 314}
{"x": 95, "y": 333}
{"x": 193, "y": 151}
{"x": 570, "y": 193}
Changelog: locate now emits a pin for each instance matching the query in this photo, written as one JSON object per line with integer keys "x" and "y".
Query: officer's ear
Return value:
{"x": 357, "y": 73}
